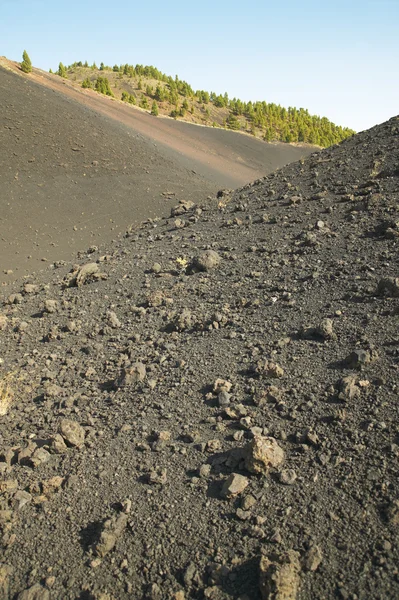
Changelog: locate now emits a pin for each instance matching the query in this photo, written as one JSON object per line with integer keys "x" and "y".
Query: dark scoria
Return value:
{"x": 278, "y": 481}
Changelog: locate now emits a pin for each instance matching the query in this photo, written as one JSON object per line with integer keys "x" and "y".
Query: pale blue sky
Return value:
{"x": 337, "y": 58}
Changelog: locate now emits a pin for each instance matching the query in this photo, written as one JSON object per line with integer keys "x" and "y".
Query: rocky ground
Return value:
{"x": 77, "y": 168}
{"x": 208, "y": 408}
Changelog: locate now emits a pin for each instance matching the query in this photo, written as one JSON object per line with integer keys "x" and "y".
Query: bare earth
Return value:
{"x": 206, "y": 408}
{"x": 77, "y": 168}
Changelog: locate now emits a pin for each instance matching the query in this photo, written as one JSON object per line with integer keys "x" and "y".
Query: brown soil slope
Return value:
{"x": 76, "y": 167}
{"x": 127, "y": 471}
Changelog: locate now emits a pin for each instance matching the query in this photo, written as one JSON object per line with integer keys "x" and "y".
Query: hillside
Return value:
{"x": 77, "y": 168}
{"x": 208, "y": 407}
{"x": 152, "y": 90}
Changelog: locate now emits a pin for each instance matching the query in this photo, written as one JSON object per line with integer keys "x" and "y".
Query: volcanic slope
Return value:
{"x": 209, "y": 407}
{"x": 76, "y": 167}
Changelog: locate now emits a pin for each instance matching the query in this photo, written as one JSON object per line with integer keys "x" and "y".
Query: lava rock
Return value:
{"x": 280, "y": 576}
{"x": 262, "y": 454}
{"x": 206, "y": 261}
{"x": 234, "y": 485}
{"x": 72, "y": 433}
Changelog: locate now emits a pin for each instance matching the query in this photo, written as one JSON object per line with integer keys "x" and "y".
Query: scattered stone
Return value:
{"x": 36, "y": 592}
{"x": 280, "y": 576}
{"x": 5, "y": 573}
{"x": 21, "y": 498}
{"x": 270, "y": 394}
{"x": 347, "y": 388}
{"x": 30, "y": 288}
{"x": 112, "y": 530}
{"x": 206, "y": 261}
{"x": 392, "y": 513}
{"x": 213, "y": 446}
{"x": 248, "y": 502}
{"x": 323, "y": 331}
{"x": 3, "y": 322}
{"x": 221, "y": 385}
{"x": 313, "y": 559}
{"x": 157, "y": 476}
{"x": 223, "y": 399}
{"x": 235, "y": 484}
{"x": 181, "y": 208}
{"x": 15, "y": 299}
{"x": 359, "y": 358}
{"x": 50, "y": 306}
{"x": 388, "y": 286}
{"x": 183, "y": 320}
{"x": 72, "y": 433}
{"x": 113, "y": 320}
{"x": 270, "y": 369}
{"x": 262, "y": 454}
{"x": 156, "y": 268}
{"x": 84, "y": 274}
{"x": 49, "y": 486}
{"x": 52, "y": 390}
{"x": 287, "y": 476}
{"x": 131, "y": 375}
{"x": 243, "y": 515}
{"x": 57, "y": 444}
{"x": 156, "y": 298}
{"x": 205, "y": 471}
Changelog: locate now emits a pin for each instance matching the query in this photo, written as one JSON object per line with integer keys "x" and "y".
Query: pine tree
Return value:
{"x": 26, "y": 65}
{"x": 154, "y": 109}
{"x": 62, "y": 72}
{"x": 102, "y": 86}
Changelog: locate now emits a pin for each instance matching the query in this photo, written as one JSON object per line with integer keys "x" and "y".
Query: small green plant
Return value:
{"x": 86, "y": 83}
{"x": 144, "y": 102}
{"x": 26, "y": 64}
{"x": 154, "y": 109}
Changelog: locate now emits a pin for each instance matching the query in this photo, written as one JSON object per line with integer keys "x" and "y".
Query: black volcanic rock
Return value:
{"x": 336, "y": 424}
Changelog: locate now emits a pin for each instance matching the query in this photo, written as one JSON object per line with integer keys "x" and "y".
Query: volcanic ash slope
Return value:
{"x": 209, "y": 408}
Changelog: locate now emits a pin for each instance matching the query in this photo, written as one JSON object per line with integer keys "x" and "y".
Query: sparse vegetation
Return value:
{"x": 176, "y": 98}
{"x": 26, "y": 64}
{"x": 102, "y": 86}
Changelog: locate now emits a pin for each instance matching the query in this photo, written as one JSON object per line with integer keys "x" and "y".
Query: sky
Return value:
{"x": 338, "y": 59}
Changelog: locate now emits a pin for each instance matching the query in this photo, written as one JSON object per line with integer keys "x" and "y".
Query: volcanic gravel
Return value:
{"x": 77, "y": 168}
{"x": 208, "y": 407}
